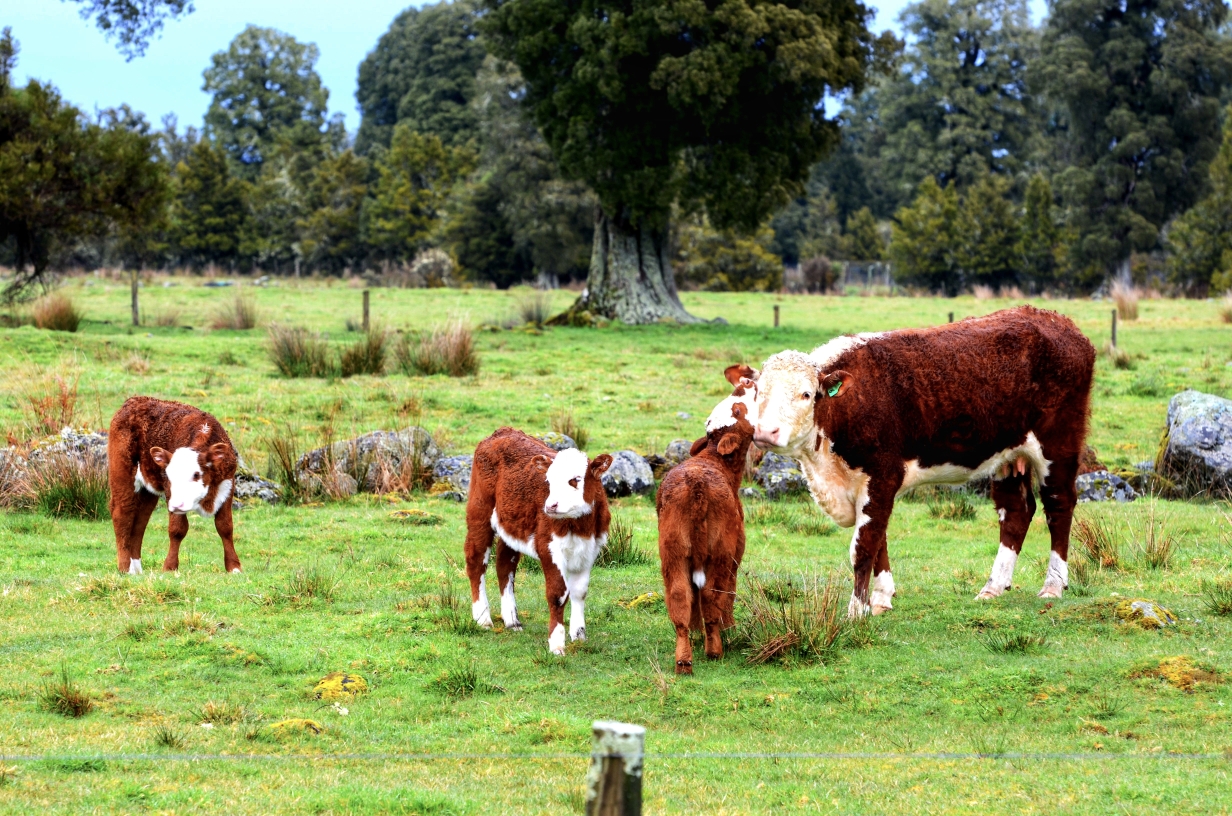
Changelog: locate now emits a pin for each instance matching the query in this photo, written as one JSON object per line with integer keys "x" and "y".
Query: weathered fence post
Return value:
{"x": 776, "y": 316}
{"x": 136, "y": 310}
{"x": 1114, "y": 317}
{"x": 951, "y": 317}
{"x": 614, "y": 781}
{"x": 365, "y": 310}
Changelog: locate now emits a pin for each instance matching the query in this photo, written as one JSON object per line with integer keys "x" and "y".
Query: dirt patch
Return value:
{"x": 1180, "y": 672}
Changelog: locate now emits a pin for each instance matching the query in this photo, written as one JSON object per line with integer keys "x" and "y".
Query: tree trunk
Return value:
{"x": 631, "y": 277}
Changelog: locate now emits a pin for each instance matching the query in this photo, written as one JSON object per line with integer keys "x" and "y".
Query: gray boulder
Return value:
{"x": 75, "y": 444}
{"x": 556, "y": 441}
{"x": 1104, "y": 486}
{"x": 373, "y": 456}
{"x": 629, "y": 474}
{"x": 452, "y": 477}
{"x": 677, "y": 451}
{"x": 1198, "y": 456}
{"x": 780, "y": 476}
{"x": 249, "y": 487}
{"x": 752, "y": 493}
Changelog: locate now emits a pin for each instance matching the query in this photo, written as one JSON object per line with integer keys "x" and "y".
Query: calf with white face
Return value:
{"x": 155, "y": 449}
{"x": 527, "y": 499}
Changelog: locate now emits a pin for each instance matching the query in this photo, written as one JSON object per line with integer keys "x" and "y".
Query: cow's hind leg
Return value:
{"x": 1059, "y": 495}
{"x": 681, "y": 607}
{"x": 1015, "y": 503}
{"x": 717, "y": 598}
{"x": 177, "y": 528}
{"x": 141, "y": 507}
{"x": 478, "y": 549}
{"x": 882, "y": 595}
{"x": 506, "y": 570}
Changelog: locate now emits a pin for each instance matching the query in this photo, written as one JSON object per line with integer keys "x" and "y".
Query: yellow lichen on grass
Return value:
{"x": 1180, "y": 673}
{"x": 340, "y": 686}
{"x": 296, "y": 724}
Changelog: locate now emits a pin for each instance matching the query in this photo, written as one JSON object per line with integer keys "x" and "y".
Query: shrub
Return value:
{"x": 806, "y": 621}
{"x": 240, "y": 314}
{"x": 61, "y": 695}
{"x": 1125, "y": 296}
{"x": 1097, "y": 542}
{"x": 70, "y": 486}
{"x": 300, "y": 353}
{"x": 447, "y": 349}
{"x": 620, "y": 550}
{"x": 56, "y": 312}
{"x": 564, "y": 422}
{"x": 52, "y": 403}
{"x": 951, "y": 505}
{"x": 819, "y": 275}
{"x": 366, "y": 356}
{"x": 1217, "y": 596}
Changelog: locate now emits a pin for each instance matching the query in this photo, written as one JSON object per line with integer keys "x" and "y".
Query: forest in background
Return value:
{"x": 987, "y": 152}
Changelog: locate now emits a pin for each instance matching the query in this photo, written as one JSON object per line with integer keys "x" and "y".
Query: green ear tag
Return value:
{"x": 834, "y": 389}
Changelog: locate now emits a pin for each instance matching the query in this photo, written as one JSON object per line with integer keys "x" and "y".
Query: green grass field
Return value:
{"x": 347, "y": 587}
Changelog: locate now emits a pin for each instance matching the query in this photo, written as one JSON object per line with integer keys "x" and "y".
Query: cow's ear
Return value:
{"x": 218, "y": 454}
{"x": 161, "y": 457}
{"x": 600, "y": 464}
{"x": 542, "y": 462}
{"x": 834, "y": 385}
{"x": 739, "y": 411}
{"x": 737, "y": 372}
{"x": 699, "y": 446}
{"x": 728, "y": 444}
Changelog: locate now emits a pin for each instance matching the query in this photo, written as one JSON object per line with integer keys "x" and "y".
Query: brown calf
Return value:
{"x": 537, "y": 502}
{"x": 159, "y": 448}
{"x": 701, "y": 527}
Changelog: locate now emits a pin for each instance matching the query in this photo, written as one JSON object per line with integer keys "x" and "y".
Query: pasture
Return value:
{"x": 345, "y": 586}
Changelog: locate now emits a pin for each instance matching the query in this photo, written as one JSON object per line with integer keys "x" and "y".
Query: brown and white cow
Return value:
{"x": 160, "y": 448}
{"x": 701, "y": 526}
{"x": 537, "y": 502}
{"x": 871, "y": 416}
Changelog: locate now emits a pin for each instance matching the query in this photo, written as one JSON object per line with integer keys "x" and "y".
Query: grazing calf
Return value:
{"x": 159, "y": 448}
{"x": 870, "y": 416}
{"x": 537, "y": 502}
{"x": 701, "y": 527}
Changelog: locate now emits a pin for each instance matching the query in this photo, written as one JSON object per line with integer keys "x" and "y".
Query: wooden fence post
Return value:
{"x": 614, "y": 781}
{"x": 136, "y": 310}
{"x": 1114, "y": 317}
{"x": 776, "y": 316}
{"x": 365, "y": 310}
{"x": 951, "y": 317}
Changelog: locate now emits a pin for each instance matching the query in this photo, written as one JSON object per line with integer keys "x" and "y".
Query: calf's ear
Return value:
{"x": 728, "y": 444}
{"x": 600, "y": 464}
{"x": 699, "y": 446}
{"x": 161, "y": 457}
{"x": 541, "y": 462}
{"x": 835, "y": 384}
{"x": 218, "y": 454}
{"x": 736, "y": 372}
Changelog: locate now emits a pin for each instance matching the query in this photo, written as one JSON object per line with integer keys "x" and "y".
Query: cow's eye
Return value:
{"x": 196, "y": 477}
{"x": 573, "y": 482}
{"x": 806, "y": 395}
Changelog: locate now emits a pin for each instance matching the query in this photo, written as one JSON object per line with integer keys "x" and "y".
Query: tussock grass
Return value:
{"x": 620, "y": 551}
{"x": 534, "y": 308}
{"x": 167, "y": 736}
{"x": 223, "y": 713}
{"x": 1106, "y": 704}
{"x": 1156, "y": 546}
{"x": 56, "y": 312}
{"x": 446, "y": 349}
{"x": 50, "y": 402}
{"x": 1012, "y": 642}
{"x": 298, "y": 352}
{"x": 65, "y": 486}
{"x": 282, "y": 445}
{"x": 1118, "y": 356}
{"x": 166, "y": 319}
{"x": 1225, "y": 308}
{"x": 61, "y": 695}
{"x": 464, "y": 681}
{"x": 1125, "y": 296}
{"x": 137, "y": 363}
{"x": 366, "y": 356}
{"x": 564, "y": 422}
{"x": 803, "y": 620}
{"x": 951, "y": 505}
{"x": 1217, "y": 596}
{"x": 452, "y": 613}
{"x": 1097, "y": 542}
{"x": 238, "y": 314}
{"x": 311, "y": 583}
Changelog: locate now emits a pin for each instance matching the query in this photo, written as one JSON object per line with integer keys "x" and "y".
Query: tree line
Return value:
{"x": 983, "y": 150}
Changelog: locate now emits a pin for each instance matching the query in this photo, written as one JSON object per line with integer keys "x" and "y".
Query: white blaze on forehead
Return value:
{"x": 569, "y": 499}
{"x": 722, "y": 416}
{"x": 185, "y": 493}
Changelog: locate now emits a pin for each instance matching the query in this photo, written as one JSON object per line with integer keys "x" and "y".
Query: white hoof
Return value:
{"x": 878, "y": 609}
{"x": 989, "y": 592}
{"x": 234, "y": 571}
{"x": 580, "y": 634}
{"x": 134, "y": 566}
{"x": 556, "y": 643}
{"x": 1051, "y": 591}
{"x": 482, "y": 614}
{"x": 857, "y": 608}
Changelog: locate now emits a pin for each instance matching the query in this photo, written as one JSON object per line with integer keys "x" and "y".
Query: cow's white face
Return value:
{"x": 186, "y": 480}
{"x": 567, "y": 485}
{"x": 744, "y": 394}
{"x": 786, "y": 387}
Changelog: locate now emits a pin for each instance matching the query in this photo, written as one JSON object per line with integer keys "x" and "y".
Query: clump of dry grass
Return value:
{"x": 983, "y": 292}
{"x": 298, "y": 352}
{"x": 447, "y": 349}
{"x": 56, "y": 312}
{"x": 1225, "y": 308}
{"x": 1118, "y": 356}
{"x": 50, "y": 403}
{"x": 240, "y": 314}
{"x": 62, "y": 486}
{"x": 167, "y": 318}
{"x": 61, "y": 695}
{"x": 137, "y": 363}
{"x": 1156, "y": 546}
{"x": 1125, "y": 295}
{"x": 223, "y": 713}
{"x": 564, "y": 422}
{"x": 802, "y": 619}
{"x": 1098, "y": 543}
{"x": 366, "y": 356}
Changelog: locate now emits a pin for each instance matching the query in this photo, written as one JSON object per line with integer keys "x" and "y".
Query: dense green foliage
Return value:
{"x": 1200, "y": 240}
{"x": 133, "y": 23}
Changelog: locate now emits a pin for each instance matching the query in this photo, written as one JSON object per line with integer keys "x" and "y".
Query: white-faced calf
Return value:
{"x": 550, "y": 506}
{"x": 159, "y": 448}
{"x": 701, "y": 527}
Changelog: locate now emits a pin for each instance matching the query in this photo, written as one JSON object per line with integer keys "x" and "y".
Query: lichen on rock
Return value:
{"x": 339, "y": 686}
{"x": 1144, "y": 613}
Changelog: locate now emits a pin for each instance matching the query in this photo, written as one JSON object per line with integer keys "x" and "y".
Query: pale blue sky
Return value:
{"x": 58, "y": 46}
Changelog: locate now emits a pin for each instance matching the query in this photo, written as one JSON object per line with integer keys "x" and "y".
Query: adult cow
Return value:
{"x": 870, "y": 416}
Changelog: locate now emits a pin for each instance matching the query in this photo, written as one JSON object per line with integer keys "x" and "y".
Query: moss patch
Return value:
{"x": 340, "y": 686}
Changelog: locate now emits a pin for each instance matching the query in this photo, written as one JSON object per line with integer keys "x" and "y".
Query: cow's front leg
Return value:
{"x": 1015, "y": 505}
{"x": 1059, "y": 495}
{"x": 882, "y": 597}
{"x": 224, "y": 523}
{"x": 177, "y": 528}
{"x": 874, "y": 503}
{"x": 557, "y": 593}
{"x": 578, "y": 584}
{"x": 506, "y": 571}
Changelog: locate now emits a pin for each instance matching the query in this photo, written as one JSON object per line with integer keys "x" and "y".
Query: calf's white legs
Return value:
{"x": 479, "y": 608}
{"x": 134, "y": 566}
{"x": 883, "y": 592}
{"x": 509, "y": 607}
{"x": 1002, "y": 576}
{"x": 1057, "y": 577}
